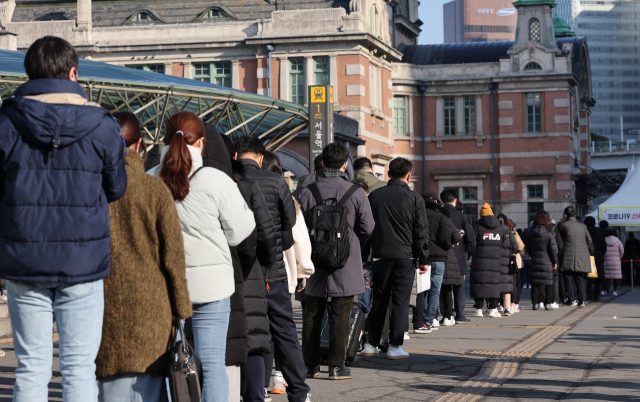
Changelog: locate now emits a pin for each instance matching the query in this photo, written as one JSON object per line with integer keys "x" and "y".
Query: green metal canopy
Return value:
{"x": 155, "y": 97}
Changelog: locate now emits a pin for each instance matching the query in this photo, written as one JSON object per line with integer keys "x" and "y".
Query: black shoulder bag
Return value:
{"x": 184, "y": 370}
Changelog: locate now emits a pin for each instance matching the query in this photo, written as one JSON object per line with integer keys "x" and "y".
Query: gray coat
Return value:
{"x": 347, "y": 281}
{"x": 577, "y": 246}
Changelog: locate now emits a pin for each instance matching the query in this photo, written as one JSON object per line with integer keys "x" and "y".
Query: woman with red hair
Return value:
{"x": 214, "y": 216}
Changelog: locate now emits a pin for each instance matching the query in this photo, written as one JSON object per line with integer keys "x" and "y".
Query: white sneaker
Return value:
{"x": 501, "y": 309}
{"x": 369, "y": 350}
{"x": 615, "y": 293}
{"x": 575, "y": 303}
{"x": 267, "y": 397}
{"x": 396, "y": 352}
{"x": 478, "y": 313}
{"x": 541, "y": 305}
{"x": 555, "y": 305}
{"x": 448, "y": 322}
{"x": 279, "y": 384}
{"x": 494, "y": 313}
{"x": 308, "y": 398}
{"x": 406, "y": 336}
{"x": 435, "y": 324}
{"x": 528, "y": 286}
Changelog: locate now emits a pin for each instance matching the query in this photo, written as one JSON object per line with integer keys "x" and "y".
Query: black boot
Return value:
{"x": 313, "y": 372}
{"x": 339, "y": 373}
{"x": 536, "y": 306}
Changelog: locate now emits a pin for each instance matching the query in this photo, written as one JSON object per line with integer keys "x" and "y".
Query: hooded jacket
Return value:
{"x": 348, "y": 280}
{"x": 612, "y": 263}
{"x": 577, "y": 247}
{"x": 401, "y": 226}
{"x": 486, "y": 264}
{"x": 283, "y": 211}
{"x": 255, "y": 304}
{"x": 62, "y": 161}
{"x": 451, "y": 271}
{"x": 214, "y": 216}
{"x": 541, "y": 247}
{"x": 468, "y": 243}
{"x": 369, "y": 179}
{"x": 599, "y": 248}
{"x": 442, "y": 232}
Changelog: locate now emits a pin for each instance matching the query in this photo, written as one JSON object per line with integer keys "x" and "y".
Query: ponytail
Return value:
{"x": 183, "y": 128}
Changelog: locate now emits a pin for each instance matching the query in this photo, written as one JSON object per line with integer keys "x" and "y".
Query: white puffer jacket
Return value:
{"x": 214, "y": 216}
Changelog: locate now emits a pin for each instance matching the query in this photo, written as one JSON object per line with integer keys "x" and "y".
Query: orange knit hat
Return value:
{"x": 486, "y": 210}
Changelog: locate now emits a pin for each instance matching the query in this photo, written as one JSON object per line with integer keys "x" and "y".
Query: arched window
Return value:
{"x": 534, "y": 29}
{"x": 374, "y": 20}
{"x": 144, "y": 16}
{"x": 215, "y": 14}
{"x": 532, "y": 66}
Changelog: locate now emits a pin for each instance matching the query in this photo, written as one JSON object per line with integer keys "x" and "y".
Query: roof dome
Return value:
{"x": 561, "y": 28}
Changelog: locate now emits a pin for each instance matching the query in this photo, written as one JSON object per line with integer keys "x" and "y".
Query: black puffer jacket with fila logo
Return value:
{"x": 486, "y": 264}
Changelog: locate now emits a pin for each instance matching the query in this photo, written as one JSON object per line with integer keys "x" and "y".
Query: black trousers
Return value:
{"x": 581, "y": 285}
{"x": 339, "y": 327}
{"x": 459, "y": 298}
{"x": 418, "y": 311}
{"x": 447, "y": 301}
{"x": 392, "y": 279}
{"x": 284, "y": 335}
{"x": 251, "y": 375}
{"x": 594, "y": 288}
{"x": 542, "y": 294}
{"x": 491, "y": 303}
{"x": 516, "y": 297}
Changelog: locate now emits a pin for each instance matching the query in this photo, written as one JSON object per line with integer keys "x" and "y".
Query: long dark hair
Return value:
{"x": 130, "y": 130}
{"x": 183, "y": 128}
{"x": 506, "y": 221}
{"x": 272, "y": 163}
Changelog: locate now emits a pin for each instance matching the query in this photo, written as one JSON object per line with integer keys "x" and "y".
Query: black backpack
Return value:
{"x": 329, "y": 230}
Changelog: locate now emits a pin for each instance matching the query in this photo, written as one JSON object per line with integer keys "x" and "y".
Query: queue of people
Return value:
{"x": 212, "y": 240}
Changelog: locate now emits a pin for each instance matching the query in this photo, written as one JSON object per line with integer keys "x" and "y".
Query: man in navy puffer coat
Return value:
{"x": 61, "y": 162}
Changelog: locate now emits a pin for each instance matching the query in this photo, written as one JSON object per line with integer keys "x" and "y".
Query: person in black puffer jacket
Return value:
{"x": 541, "y": 247}
{"x": 486, "y": 263}
{"x": 255, "y": 304}
{"x": 452, "y": 278}
{"x": 442, "y": 236}
{"x": 280, "y": 310}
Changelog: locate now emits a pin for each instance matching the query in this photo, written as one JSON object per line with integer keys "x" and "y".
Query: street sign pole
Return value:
{"x": 320, "y": 120}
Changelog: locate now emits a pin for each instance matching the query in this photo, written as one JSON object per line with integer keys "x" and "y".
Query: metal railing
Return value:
{"x": 614, "y": 146}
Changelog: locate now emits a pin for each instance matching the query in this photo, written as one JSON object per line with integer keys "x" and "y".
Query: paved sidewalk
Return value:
{"x": 594, "y": 358}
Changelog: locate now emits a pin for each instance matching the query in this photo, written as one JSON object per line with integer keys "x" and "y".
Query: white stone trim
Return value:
{"x": 503, "y": 105}
{"x": 563, "y": 168}
{"x": 262, "y": 73}
{"x": 284, "y": 78}
{"x": 308, "y": 77}
{"x": 235, "y": 74}
{"x": 487, "y": 156}
{"x": 507, "y": 187}
{"x": 439, "y": 117}
{"x": 459, "y": 115}
{"x": 333, "y": 77}
{"x": 479, "y": 122}
{"x": 507, "y": 170}
{"x": 564, "y": 185}
{"x": 355, "y": 69}
{"x": 188, "y": 70}
{"x": 562, "y": 102}
{"x": 561, "y": 119}
{"x": 355, "y": 90}
{"x": 409, "y": 111}
{"x": 505, "y": 121}
{"x": 167, "y": 68}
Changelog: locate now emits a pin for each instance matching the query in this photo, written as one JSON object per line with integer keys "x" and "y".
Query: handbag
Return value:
{"x": 594, "y": 270}
{"x": 184, "y": 370}
{"x": 513, "y": 264}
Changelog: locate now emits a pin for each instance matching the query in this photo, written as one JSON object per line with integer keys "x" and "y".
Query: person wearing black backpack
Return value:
{"x": 339, "y": 221}
{"x": 400, "y": 238}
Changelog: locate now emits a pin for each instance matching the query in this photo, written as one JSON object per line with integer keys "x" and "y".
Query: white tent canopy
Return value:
{"x": 623, "y": 207}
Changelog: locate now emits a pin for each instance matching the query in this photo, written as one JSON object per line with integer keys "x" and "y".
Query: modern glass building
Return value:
{"x": 612, "y": 30}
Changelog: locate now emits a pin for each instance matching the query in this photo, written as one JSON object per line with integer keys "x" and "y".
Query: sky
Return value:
{"x": 430, "y": 12}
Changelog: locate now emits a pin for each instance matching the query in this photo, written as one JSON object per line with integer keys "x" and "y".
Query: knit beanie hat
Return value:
{"x": 486, "y": 210}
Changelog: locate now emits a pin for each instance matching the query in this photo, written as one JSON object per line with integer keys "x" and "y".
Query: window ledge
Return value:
{"x": 406, "y": 138}
{"x": 458, "y": 137}
{"x": 378, "y": 114}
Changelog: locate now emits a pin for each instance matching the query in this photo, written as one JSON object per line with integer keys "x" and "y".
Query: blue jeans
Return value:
{"x": 78, "y": 309}
{"x": 132, "y": 388}
{"x": 210, "y": 322}
{"x": 432, "y": 296}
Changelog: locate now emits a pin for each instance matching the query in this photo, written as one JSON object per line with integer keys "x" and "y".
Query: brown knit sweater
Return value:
{"x": 147, "y": 282}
